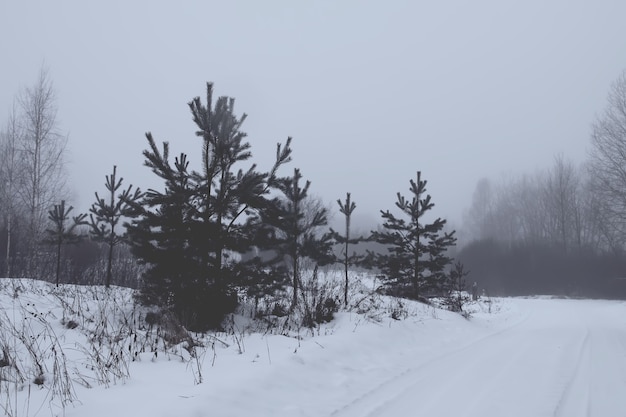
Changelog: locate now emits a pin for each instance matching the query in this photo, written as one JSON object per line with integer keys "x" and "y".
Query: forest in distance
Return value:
{"x": 558, "y": 232}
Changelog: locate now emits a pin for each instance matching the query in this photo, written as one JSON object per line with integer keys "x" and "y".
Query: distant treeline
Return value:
{"x": 561, "y": 231}
{"x": 525, "y": 269}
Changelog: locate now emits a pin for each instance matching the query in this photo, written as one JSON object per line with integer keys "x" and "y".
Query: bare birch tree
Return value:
{"x": 42, "y": 152}
{"x": 10, "y": 177}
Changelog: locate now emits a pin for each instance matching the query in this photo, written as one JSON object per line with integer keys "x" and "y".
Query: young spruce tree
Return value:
{"x": 416, "y": 258}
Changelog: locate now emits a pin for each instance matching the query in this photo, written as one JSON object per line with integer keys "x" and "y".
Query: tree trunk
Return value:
{"x": 107, "y": 283}
{"x": 296, "y": 279}
{"x": 416, "y": 272}
{"x": 58, "y": 261}
{"x": 8, "y": 254}
{"x": 345, "y": 290}
{"x": 294, "y": 249}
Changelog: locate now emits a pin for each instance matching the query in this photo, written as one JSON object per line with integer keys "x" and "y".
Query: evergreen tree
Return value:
{"x": 186, "y": 233}
{"x": 291, "y": 226}
{"x": 162, "y": 237}
{"x": 105, "y": 216}
{"x": 417, "y": 258}
{"x": 225, "y": 196}
{"x": 346, "y": 209}
{"x": 456, "y": 291}
{"x": 61, "y": 233}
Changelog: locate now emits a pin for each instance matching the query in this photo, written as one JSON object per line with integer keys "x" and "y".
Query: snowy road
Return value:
{"x": 531, "y": 358}
{"x": 565, "y": 358}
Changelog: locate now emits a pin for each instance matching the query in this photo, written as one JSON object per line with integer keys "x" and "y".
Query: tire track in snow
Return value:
{"x": 607, "y": 372}
{"x": 571, "y": 403}
{"x": 568, "y": 361}
{"x": 456, "y": 380}
{"x": 367, "y": 404}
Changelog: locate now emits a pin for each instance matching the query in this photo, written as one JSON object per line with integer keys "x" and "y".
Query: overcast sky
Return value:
{"x": 371, "y": 91}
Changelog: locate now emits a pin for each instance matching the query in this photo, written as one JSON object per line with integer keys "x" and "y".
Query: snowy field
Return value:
{"x": 514, "y": 357}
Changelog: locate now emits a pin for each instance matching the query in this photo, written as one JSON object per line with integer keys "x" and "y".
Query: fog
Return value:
{"x": 371, "y": 92}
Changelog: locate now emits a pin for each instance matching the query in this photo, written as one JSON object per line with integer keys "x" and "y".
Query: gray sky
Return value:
{"x": 371, "y": 91}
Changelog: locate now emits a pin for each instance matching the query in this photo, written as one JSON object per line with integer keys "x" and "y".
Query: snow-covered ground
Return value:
{"x": 525, "y": 357}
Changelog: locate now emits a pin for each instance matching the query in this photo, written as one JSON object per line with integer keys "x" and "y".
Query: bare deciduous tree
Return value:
{"x": 558, "y": 206}
{"x": 608, "y": 155}
{"x": 479, "y": 216}
{"x": 42, "y": 151}
{"x": 10, "y": 177}
{"x": 561, "y": 192}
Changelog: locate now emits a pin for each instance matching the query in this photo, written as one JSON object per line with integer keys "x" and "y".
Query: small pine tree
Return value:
{"x": 105, "y": 216}
{"x": 456, "y": 294}
{"x": 61, "y": 233}
{"x": 162, "y": 236}
{"x": 227, "y": 200}
{"x": 186, "y": 233}
{"x": 417, "y": 258}
{"x": 291, "y": 229}
{"x": 346, "y": 208}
